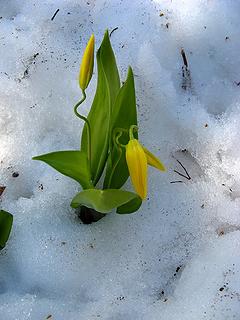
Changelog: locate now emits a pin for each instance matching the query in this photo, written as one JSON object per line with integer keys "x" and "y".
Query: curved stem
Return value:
{"x": 131, "y": 129}
{"x": 87, "y": 124}
{"x": 117, "y": 132}
{"x": 118, "y": 146}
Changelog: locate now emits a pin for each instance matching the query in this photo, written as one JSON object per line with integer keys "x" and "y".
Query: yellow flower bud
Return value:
{"x": 86, "y": 69}
{"x": 137, "y": 166}
{"x": 154, "y": 161}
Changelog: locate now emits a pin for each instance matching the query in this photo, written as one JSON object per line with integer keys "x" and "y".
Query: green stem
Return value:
{"x": 87, "y": 124}
{"x": 117, "y": 132}
{"x": 118, "y": 146}
{"x": 131, "y": 129}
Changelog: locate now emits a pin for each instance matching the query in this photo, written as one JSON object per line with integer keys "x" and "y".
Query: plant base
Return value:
{"x": 88, "y": 215}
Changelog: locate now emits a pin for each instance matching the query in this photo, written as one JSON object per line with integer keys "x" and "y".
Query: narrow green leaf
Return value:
{"x": 110, "y": 67}
{"x": 6, "y": 220}
{"x": 72, "y": 163}
{"x": 131, "y": 206}
{"x": 124, "y": 115}
{"x": 100, "y": 114}
{"x": 103, "y": 200}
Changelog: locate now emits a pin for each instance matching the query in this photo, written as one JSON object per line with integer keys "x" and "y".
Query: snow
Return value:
{"x": 178, "y": 256}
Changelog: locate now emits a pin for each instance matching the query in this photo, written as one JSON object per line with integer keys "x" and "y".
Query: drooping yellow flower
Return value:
{"x": 137, "y": 166}
{"x": 86, "y": 69}
{"x": 154, "y": 161}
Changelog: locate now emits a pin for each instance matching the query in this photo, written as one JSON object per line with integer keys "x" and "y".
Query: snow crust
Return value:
{"x": 178, "y": 257}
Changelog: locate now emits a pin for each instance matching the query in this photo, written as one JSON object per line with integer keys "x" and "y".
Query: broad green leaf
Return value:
{"x": 103, "y": 200}
{"x": 72, "y": 163}
{"x": 6, "y": 220}
{"x": 124, "y": 115}
{"x": 131, "y": 206}
{"x": 100, "y": 114}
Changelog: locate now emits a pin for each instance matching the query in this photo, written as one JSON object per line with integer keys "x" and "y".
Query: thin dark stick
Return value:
{"x": 113, "y": 31}
{"x": 181, "y": 174}
{"x": 188, "y": 176}
{"x": 177, "y": 181}
{"x": 55, "y": 14}
{"x": 184, "y": 58}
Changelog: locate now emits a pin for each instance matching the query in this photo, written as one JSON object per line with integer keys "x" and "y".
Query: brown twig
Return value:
{"x": 2, "y": 188}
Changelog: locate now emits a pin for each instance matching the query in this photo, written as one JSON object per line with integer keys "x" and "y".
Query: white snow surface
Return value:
{"x": 178, "y": 256}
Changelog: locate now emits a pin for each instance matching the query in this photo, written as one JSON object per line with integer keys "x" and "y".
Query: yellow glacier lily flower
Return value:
{"x": 86, "y": 69}
{"x": 137, "y": 166}
{"x": 154, "y": 161}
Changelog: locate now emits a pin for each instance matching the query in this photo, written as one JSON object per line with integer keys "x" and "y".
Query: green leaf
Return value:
{"x": 99, "y": 116}
{"x": 124, "y": 115}
{"x": 6, "y": 220}
{"x": 110, "y": 67}
{"x": 131, "y": 206}
{"x": 72, "y": 163}
{"x": 103, "y": 200}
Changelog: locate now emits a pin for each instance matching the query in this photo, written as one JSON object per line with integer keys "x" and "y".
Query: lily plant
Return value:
{"x": 109, "y": 151}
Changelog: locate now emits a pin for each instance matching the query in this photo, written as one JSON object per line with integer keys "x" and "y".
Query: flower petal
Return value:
{"x": 154, "y": 161}
{"x": 137, "y": 166}
{"x": 86, "y": 69}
